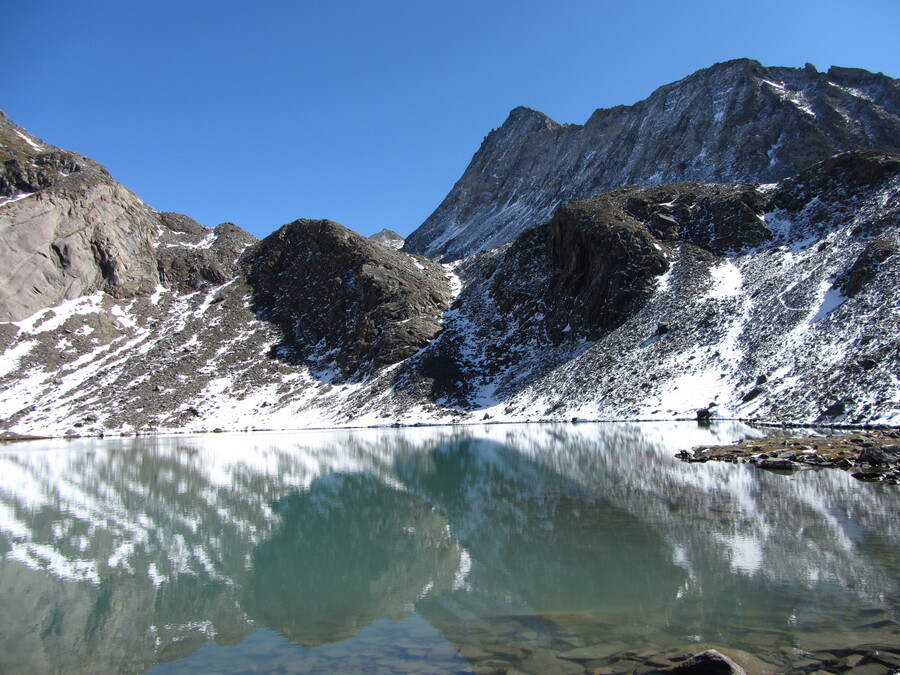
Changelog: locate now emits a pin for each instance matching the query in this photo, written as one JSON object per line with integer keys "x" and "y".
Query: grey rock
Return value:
{"x": 734, "y": 121}
{"x": 545, "y": 661}
{"x": 776, "y": 464}
{"x": 81, "y": 232}
{"x": 388, "y": 238}
{"x": 884, "y": 454}
{"x": 752, "y": 394}
{"x": 710, "y": 662}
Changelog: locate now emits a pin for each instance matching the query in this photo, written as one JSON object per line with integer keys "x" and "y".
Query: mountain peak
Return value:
{"x": 733, "y": 121}
{"x": 388, "y": 238}
{"x": 522, "y": 122}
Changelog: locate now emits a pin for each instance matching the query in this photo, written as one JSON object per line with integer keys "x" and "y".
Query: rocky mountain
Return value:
{"x": 360, "y": 304}
{"x": 734, "y": 121}
{"x": 389, "y": 238}
{"x": 773, "y": 301}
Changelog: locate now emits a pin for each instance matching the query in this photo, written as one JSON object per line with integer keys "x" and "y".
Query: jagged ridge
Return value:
{"x": 735, "y": 121}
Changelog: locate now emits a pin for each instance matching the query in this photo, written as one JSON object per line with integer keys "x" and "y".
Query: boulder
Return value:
{"x": 710, "y": 662}
{"x": 884, "y": 454}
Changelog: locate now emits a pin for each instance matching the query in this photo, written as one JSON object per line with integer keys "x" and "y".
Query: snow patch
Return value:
{"x": 33, "y": 143}
{"x": 39, "y": 322}
{"x": 726, "y": 281}
{"x": 832, "y": 298}
{"x": 9, "y": 200}
{"x": 456, "y": 284}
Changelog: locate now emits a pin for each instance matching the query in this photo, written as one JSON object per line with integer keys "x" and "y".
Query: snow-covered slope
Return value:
{"x": 735, "y": 121}
{"x": 776, "y": 302}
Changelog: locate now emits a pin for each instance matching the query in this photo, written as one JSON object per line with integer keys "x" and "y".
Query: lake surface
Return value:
{"x": 431, "y": 550}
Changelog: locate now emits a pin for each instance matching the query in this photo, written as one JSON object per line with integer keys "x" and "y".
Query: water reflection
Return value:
{"x": 538, "y": 538}
{"x": 121, "y": 554}
{"x": 348, "y": 551}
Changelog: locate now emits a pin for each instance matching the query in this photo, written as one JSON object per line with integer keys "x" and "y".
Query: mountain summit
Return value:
{"x": 734, "y": 121}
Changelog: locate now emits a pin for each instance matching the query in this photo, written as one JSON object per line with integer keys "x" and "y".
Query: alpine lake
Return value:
{"x": 533, "y": 548}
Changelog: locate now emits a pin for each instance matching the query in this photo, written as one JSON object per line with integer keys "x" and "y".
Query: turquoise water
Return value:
{"x": 431, "y": 550}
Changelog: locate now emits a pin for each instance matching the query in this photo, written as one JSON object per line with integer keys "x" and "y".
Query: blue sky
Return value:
{"x": 367, "y": 112}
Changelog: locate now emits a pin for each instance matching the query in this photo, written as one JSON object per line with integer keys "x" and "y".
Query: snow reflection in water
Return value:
{"x": 440, "y": 546}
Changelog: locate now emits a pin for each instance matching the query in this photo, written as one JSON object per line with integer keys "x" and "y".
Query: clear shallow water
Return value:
{"x": 432, "y": 550}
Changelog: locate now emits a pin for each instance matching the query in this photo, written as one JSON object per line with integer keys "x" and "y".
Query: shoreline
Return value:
{"x": 8, "y": 436}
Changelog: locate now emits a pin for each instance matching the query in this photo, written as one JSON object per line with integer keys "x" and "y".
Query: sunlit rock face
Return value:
{"x": 67, "y": 229}
{"x": 735, "y": 121}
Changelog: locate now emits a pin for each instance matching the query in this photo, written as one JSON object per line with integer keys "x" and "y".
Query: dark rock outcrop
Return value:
{"x": 342, "y": 299}
{"x": 710, "y": 662}
{"x": 607, "y": 264}
{"x": 212, "y": 262}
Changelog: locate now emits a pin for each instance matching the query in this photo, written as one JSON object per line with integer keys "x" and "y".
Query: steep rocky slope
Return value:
{"x": 735, "y": 121}
{"x": 116, "y": 316}
{"x": 773, "y": 301}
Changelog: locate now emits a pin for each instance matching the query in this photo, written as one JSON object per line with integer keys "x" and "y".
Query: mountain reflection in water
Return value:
{"x": 121, "y": 554}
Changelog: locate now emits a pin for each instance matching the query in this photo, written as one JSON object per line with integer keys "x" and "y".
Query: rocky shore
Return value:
{"x": 873, "y": 650}
{"x": 871, "y": 456}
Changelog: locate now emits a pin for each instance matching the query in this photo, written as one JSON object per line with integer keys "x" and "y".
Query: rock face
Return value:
{"x": 735, "y": 121}
{"x": 66, "y": 229}
{"x": 340, "y": 298}
{"x": 648, "y": 302}
{"x": 388, "y": 238}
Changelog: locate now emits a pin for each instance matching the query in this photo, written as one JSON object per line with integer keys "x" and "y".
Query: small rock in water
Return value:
{"x": 776, "y": 464}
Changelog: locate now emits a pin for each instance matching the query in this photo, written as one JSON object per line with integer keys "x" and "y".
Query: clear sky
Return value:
{"x": 367, "y": 112}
